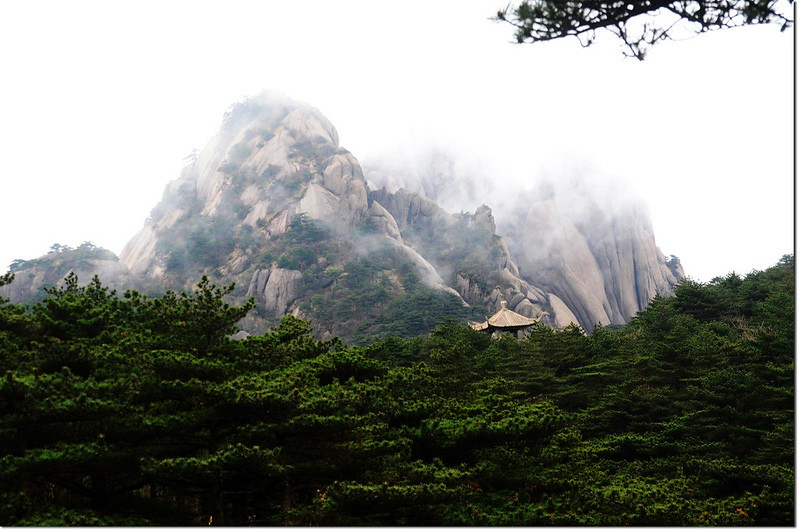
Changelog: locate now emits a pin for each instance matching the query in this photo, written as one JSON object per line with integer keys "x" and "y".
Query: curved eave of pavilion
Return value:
{"x": 479, "y": 326}
{"x": 504, "y": 320}
{"x": 488, "y": 328}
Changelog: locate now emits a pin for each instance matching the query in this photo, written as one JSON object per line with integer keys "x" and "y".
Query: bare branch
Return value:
{"x": 544, "y": 20}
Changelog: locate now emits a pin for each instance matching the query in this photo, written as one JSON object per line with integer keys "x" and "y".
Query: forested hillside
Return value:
{"x": 132, "y": 410}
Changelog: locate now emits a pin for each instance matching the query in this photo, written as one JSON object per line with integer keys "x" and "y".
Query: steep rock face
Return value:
{"x": 600, "y": 260}
{"x": 339, "y": 194}
{"x": 555, "y": 254}
{"x": 590, "y": 251}
{"x": 272, "y": 159}
{"x": 409, "y": 208}
{"x": 633, "y": 268}
{"x": 562, "y": 315}
{"x": 273, "y": 204}
{"x": 274, "y": 288}
{"x": 231, "y": 212}
{"x": 467, "y": 252}
{"x": 139, "y": 254}
{"x": 262, "y": 168}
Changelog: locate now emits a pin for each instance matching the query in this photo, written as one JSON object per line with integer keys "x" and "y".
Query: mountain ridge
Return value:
{"x": 273, "y": 203}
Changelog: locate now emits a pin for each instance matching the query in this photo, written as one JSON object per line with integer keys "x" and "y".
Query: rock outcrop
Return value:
{"x": 600, "y": 259}
{"x": 274, "y": 288}
{"x": 86, "y": 261}
{"x": 272, "y": 159}
{"x": 274, "y": 204}
{"x": 467, "y": 251}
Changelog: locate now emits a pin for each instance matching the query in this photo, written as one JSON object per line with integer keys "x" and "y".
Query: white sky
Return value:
{"x": 100, "y": 102}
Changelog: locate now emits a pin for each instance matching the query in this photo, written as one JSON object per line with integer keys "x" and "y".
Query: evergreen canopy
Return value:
{"x": 143, "y": 411}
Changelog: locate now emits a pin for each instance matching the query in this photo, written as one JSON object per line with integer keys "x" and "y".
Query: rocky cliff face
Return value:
{"x": 230, "y": 213}
{"x": 86, "y": 261}
{"x": 468, "y": 254}
{"x": 598, "y": 257}
{"x": 263, "y": 167}
{"x": 589, "y": 250}
{"x": 274, "y": 204}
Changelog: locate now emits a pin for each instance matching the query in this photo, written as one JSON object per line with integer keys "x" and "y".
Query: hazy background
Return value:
{"x": 102, "y": 101}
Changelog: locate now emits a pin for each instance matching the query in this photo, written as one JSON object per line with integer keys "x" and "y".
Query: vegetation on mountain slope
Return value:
{"x": 131, "y": 410}
{"x": 273, "y": 204}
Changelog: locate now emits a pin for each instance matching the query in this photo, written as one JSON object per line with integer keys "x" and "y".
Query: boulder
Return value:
{"x": 275, "y": 289}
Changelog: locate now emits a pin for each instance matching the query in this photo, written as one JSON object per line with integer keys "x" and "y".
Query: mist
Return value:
{"x": 461, "y": 182}
{"x": 702, "y": 129}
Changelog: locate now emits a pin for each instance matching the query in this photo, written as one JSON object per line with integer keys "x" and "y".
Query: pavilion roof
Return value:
{"x": 504, "y": 320}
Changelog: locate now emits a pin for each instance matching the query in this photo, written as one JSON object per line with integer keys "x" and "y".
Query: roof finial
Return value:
{"x": 504, "y": 304}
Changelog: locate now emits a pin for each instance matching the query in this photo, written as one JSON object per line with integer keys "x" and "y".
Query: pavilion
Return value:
{"x": 504, "y": 320}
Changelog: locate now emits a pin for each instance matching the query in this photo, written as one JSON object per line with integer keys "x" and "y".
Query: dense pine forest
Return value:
{"x": 124, "y": 409}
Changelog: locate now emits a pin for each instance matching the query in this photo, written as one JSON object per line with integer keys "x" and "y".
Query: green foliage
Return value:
{"x": 362, "y": 297}
{"x": 304, "y": 243}
{"x": 312, "y": 151}
{"x": 137, "y": 411}
{"x": 414, "y": 312}
{"x": 74, "y": 257}
{"x": 376, "y": 295}
{"x": 303, "y": 229}
{"x": 463, "y": 247}
{"x": 200, "y": 241}
{"x": 57, "y": 248}
{"x": 296, "y": 258}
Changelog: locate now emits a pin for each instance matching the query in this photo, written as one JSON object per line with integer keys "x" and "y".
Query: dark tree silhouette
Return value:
{"x": 638, "y": 23}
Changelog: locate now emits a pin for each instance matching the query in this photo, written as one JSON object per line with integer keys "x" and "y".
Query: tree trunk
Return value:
{"x": 286, "y": 506}
{"x": 217, "y": 505}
